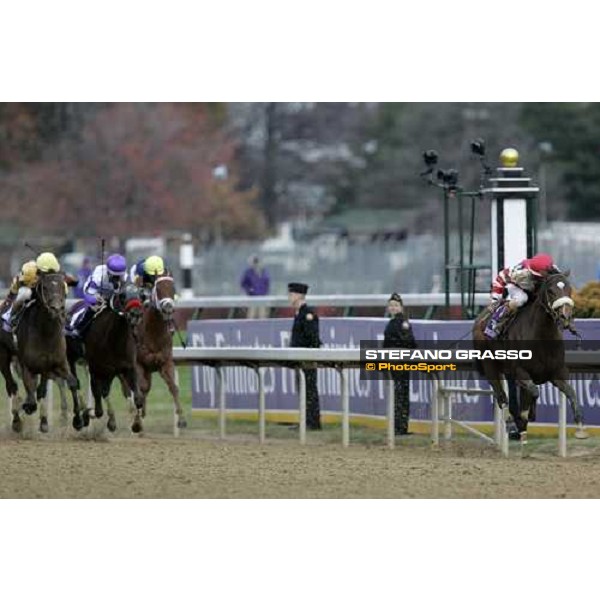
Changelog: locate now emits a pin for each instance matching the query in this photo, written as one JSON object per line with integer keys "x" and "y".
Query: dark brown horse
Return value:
{"x": 109, "y": 349}
{"x": 41, "y": 347}
{"x": 8, "y": 354}
{"x": 537, "y": 326}
{"x": 155, "y": 345}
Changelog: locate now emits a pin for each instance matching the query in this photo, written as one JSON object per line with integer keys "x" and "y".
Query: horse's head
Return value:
{"x": 128, "y": 303}
{"x": 163, "y": 296}
{"x": 52, "y": 293}
{"x": 555, "y": 294}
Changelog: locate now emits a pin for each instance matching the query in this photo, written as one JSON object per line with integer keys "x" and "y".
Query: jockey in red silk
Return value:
{"x": 516, "y": 283}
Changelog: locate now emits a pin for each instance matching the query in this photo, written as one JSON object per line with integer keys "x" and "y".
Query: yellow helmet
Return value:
{"x": 154, "y": 265}
{"x": 29, "y": 273}
{"x": 47, "y": 262}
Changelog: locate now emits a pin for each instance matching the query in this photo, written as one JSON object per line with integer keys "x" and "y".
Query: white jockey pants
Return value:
{"x": 516, "y": 295}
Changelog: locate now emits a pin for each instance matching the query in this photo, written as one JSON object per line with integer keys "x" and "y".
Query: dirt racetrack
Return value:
{"x": 65, "y": 464}
{"x": 198, "y": 466}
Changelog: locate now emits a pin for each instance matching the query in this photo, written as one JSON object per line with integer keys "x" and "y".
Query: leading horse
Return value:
{"x": 538, "y": 326}
{"x": 109, "y": 349}
{"x": 155, "y": 344}
{"x": 41, "y": 347}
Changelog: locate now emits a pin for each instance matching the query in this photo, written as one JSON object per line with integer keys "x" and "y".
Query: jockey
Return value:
{"x": 101, "y": 285}
{"x": 515, "y": 283}
{"x": 22, "y": 285}
{"x": 146, "y": 271}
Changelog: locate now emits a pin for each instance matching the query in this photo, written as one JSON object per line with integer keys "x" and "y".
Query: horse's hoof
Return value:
{"x": 111, "y": 425}
{"x": 181, "y": 423}
{"x": 78, "y": 423}
{"x": 17, "y": 424}
{"x": 136, "y": 427}
{"x": 44, "y": 425}
{"x": 29, "y": 407}
{"x": 99, "y": 413}
{"x": 86, "y": 418}
{"x": 581, "y": 434}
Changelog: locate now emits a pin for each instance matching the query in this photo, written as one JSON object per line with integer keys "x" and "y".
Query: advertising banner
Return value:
{"x": 367, "y": 397}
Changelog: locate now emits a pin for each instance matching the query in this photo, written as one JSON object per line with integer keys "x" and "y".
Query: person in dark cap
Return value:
{"x": 398, "y": 334}
{"x": 305, "y": 334}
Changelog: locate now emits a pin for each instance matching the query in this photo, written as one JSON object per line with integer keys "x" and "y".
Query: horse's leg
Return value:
{"x": 64, "y": 374}
{"x": 97, "y": 387}
{"x": 514, "y": 428}
{"x": 567, "y": 389}
{"x": 42, "y": 391}
{"x": 530, "y": 395}
{"x": 127, "y": 394}
{"x": 167, "y": 372}
{"x": 132, "y": 377}
{"x": 30, "y": 383}
{"x": 111, "y": 424}
{"x": 11, "y": 389}
{"x": 144, "y": 378}
{"x": 64, "y": 408}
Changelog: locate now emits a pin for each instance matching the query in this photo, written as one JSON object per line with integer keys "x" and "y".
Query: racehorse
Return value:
{"x": 155, "y": 345}
{"x": 41, "y": 348}
{"x": 109, "y": 349}
{"x": 8, "y": 353}
{"x": 537, "y": 326}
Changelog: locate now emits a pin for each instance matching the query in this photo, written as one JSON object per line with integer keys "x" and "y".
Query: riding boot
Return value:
{"x": 84, "y": 322}
{"x": 497, "y": 321}
{"x": 504, "y": 320}
{"x": 15, "y": 315}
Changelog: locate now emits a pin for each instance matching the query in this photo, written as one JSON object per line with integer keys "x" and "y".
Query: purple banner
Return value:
{"x": 366, "y": 397}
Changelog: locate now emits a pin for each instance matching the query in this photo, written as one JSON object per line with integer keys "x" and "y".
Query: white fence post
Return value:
{"x": 345, "y": 408}
{"x": 562, "y": 425}
{"x": 176, "y": 430}
{"x": 435, "y": 422}
{"x": 222, "y": 405}
{"x": 302, "y": 405}
{"x": 261, "y": 406}
{"x": 503, "y": 431}
{"x": 448, "y": 416}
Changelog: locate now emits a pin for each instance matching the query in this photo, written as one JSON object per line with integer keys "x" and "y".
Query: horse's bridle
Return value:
{"x": 542, "y": 299}
{"x": 163, "y": 304}
{"x": 39, "y": 288}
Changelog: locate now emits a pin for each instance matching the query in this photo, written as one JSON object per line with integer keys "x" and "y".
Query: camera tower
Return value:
{"x": 513, "y": 223}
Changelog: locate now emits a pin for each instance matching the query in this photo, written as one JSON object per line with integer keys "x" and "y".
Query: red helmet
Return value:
{"x": 539, "y": 264}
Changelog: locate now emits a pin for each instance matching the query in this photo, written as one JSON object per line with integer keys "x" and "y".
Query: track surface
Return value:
{"x": 196, "y": 465}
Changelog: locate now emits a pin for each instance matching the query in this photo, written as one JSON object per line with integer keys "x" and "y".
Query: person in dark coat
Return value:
{"x": 256, "y": 282}
{"x": 398, "y": 334}
{"x": 305, "y": 334}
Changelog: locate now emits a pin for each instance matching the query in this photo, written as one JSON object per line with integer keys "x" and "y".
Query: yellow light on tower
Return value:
{"x": 509, "y": 157}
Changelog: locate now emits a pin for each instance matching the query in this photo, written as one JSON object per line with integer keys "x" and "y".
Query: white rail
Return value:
{"x": 341, "y": 359}
{"x": 334, "y": 300}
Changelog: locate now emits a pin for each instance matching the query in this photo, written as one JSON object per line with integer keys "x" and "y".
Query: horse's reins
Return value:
{"x": 40, "y": 292}
{"x": 157, "y": 304}
{"x": 543, "y": 300}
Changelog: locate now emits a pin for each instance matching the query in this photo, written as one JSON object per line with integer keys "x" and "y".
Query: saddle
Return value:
{"x": 77, "y": 327}
{"x": 14, "y": 319}
{"x": 506, "y": 321}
